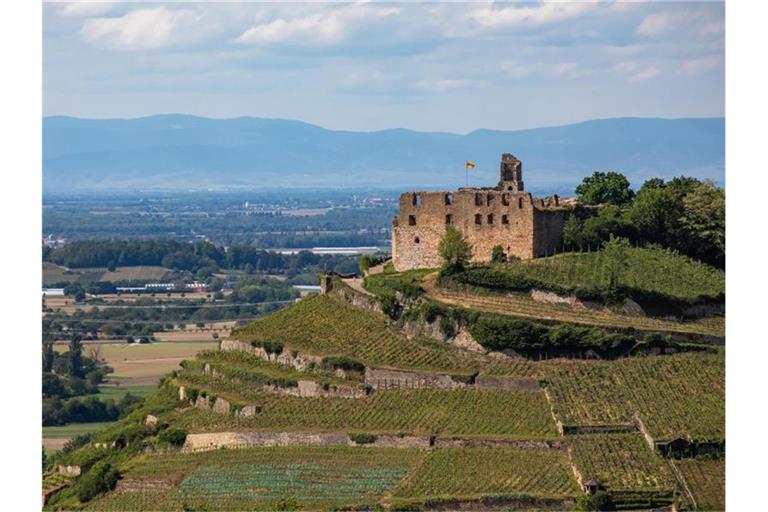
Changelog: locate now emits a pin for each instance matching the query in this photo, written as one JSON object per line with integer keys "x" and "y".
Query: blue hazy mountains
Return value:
{"x": 184, "y": 152}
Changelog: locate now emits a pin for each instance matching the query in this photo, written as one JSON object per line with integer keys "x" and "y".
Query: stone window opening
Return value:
{"x": 448, "y": 198}
{"x": 478, "y": 219}
{"x": 416, "y": 199}
{"x": 478, "y": 200}
{"x": 490, "y": 218}
{"x": 505, "y": 199}
{"x": 449, "y": 219}
{"x": 411, "y": 220}
{"x": 505, "y": 219}
{"x": 509, "y": 188}
{"x": 416, "y": 240}
{"x": 520, "y": 203}
{"x": 489, "y": 199}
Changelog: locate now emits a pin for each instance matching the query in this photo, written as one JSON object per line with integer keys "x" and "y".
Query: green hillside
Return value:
{"x": 422, "y": 448}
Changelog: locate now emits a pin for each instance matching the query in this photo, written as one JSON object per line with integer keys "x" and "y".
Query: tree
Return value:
{"x": 497, "y": 254}
{"x": 615, "y": 253}
{"x": 454, "y": 249}
{"x": 48, "y": 356}
{"x": 75, "y": 356}
{"x": 703, "y": 221}
{"x": 605, "y": 187}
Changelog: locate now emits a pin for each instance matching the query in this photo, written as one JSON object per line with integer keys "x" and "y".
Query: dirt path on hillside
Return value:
{"x": 525, "y": 307}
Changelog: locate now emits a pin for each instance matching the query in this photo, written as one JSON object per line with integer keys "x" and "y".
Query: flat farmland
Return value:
{"x": 138, "y": 273}
{"x": 54, "y": 438}
{"x": 138, "y": 364}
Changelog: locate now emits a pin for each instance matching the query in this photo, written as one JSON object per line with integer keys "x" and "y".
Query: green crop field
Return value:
{"x": 324, "y": 325}
{"x": 471, "y": 473}
{"x": 621, "y": 462}
{"x": 682, "y": 394}
{"x": 464, "y": 412}
{"x": 281, "y": 478}
{"x": 706, "y": 481}
{"x": 649, "y": 269}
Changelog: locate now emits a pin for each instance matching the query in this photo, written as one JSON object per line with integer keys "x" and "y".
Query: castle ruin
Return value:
{"x": 504, "y": 215}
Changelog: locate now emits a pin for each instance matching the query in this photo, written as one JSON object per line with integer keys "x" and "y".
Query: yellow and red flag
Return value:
{"x": 470, "y": 165}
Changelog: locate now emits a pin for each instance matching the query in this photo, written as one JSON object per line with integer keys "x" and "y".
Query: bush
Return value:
{"x": 499, "y": 333}
{"x": 269, "y": 346}
{"x": 102, "y": 477}
{"x": 173, "y": 436}
{"x": 601, "y": 500}
{"x": 343, "y": 363}
{"x": 363, "y": 438}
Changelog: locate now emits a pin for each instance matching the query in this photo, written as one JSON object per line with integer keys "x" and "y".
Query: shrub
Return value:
{"x": 499, "y": 333}
{"x": 269, "y": 346}
{"x": 343, "y": 363}
{"x": 497, "y": 254}
{"x": 102, "y": 477}
{"x": 173, "y": 436}
{"x": 363, "y": 438}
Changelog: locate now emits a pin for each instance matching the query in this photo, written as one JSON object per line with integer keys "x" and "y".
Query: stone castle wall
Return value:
{"x": 524, "y": 227}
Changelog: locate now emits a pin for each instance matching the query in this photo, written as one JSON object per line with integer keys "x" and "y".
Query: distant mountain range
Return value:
{"x": 186, "y": 152}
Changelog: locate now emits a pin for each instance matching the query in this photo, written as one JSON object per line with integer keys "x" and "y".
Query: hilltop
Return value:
{"x": 377, "y": 394}
{"x": 181, "y": 152}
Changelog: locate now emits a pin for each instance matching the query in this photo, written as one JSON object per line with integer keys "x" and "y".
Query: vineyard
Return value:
{"x": 462, "y": 412}
{"x": 471, "y": 473}
{"x": 262, "y": 479}
{"x": 675, "y": 395}
{"x": 650, "y": 269}
{"x": 621, "y": 462}
{"x": 327, "y": 326}
{"x": 706, "y": 481}
{"x": 523, "y": 306}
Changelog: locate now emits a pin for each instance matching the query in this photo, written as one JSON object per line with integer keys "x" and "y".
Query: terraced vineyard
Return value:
{"x": 471, "y": 473}
{"x": 523, "y": 306}
{"x": 650, "y": 268}
{"x": 622, "y": 462}
{"x": 283, "y": 478}
{"x": 324, "y": 325}
{"x": 463, "y": 412}
{"x": 706, "y": 481}
{"x": 675, "y": 395}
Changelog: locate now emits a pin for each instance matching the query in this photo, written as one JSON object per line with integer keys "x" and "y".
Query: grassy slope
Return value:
{"x": 649, "y": 269}
{"x": 324, "y": 325}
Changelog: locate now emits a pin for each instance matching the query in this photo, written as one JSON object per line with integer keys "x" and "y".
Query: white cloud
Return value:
{"x": 542, "y": 14}
{"x": 138, "y": 29}
{"x": 320, "y": 28}
{"x": 635, "y": 72}
{"x": 447, "y": 84}
{"x": 702, "y": 65}
{"x": 655, "y": 24}
{"x": 78, "y": 9}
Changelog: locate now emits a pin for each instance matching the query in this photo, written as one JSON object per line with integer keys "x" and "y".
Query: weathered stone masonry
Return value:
{"x": 505, "y": 215}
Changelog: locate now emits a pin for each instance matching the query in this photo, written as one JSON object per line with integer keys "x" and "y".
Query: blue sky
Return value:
{"x": 375, "y": 65}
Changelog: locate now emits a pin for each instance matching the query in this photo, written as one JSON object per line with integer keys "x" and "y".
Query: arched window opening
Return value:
{"x": 490, "y": 218}
{"x": 448, "y": 198}
{"x": 505, "y": 219}
{"x": 478, "y": 219}
{"x": 411, "y": 220}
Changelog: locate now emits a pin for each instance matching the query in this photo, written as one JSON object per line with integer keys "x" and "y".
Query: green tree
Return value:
{"x": 48, "y": 356}
{"x": 454, "y": 249}
{"x": 703, "y": 221}
{"x": 615, "y": 254}
{"x": 605, "y": 187}
{"x": 75, "y": 356}
{"x": 497, "y": 254}
{"x": 572, "y": 235}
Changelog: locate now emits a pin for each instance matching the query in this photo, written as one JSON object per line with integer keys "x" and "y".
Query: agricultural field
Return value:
{"x": 325, "y": 325}
{"x": 523, "y": 306}
{"x": 471, "y": 473}
{"x": 283, "y": 478}
{"x": 462, "y": 412}
{"x": 53, "y": 273}
{"x": 649, "y": 269}
{"x": 54, "y": 438}
{"x": 706, "y": 481}
{"x": 621, "y": 462}
{"x": 683, "y": 394}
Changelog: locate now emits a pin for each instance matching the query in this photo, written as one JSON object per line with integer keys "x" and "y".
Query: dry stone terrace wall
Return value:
{"x": 216, "y": 440}
{"x": 300, "y": 361}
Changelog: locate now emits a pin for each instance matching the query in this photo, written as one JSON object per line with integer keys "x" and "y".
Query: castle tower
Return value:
{"x": 511, "y": 172}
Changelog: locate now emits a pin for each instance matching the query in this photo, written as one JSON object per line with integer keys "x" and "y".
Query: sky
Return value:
{"x": 452, "y": 67}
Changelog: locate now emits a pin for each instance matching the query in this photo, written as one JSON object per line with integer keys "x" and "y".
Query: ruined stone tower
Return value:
{"x": 504, "y": 215}
{"x": 511, "y": 171}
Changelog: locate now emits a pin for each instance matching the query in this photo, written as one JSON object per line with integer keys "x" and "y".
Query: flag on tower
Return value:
{"x": 470, "y": 165}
